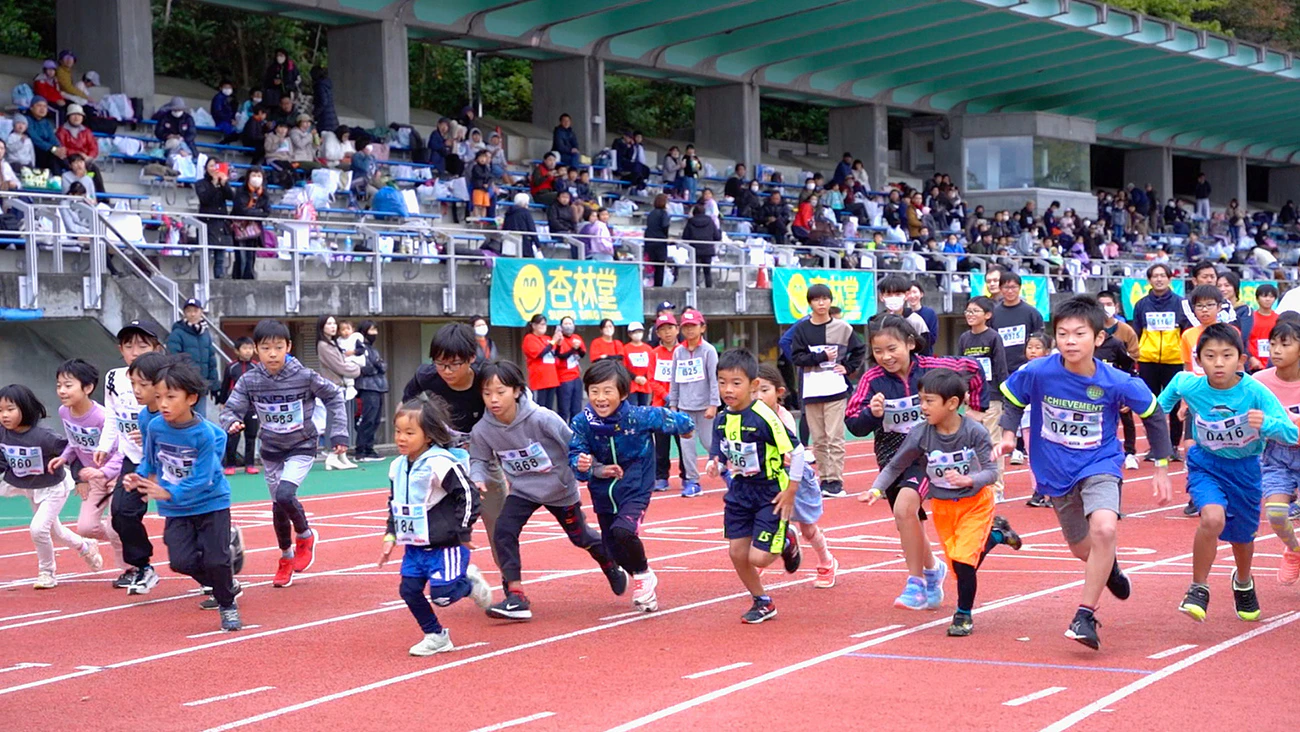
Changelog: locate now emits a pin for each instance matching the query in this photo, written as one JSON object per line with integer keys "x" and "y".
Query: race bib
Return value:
{"x": 573, "y": 362}
{"x": 128, "y": 420}
{"x": 986, "y": 363}
{"x": 531, "y": 459}
{"x": 1232, "y": 431}
{"x": 639, "y": 360}
{"x": 176, "y": 463}
{"x": 901, "y": 415}
{"x": 549, "y": 359}
{"x": 281, "y": 419}
{"x": 938, "y": 462}
{"x": 1161, "y": 321}
{"x": 1262, "y": 345}
{"x": 664, "y": 370}
{"x": 410, "y": 524}
{"x": 1013, "y": 335}
{"x": 24, "y": 461}
{"x": 743, "y": 456}
{"x": 1070, "y": 428}
{"x": 86, "y": 438}
{"x": 690, "y": 370}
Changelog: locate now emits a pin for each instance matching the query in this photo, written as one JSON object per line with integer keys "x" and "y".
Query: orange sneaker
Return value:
{"x": 283, "y": 573}
{"x": 826, "y": 575}
{"x": 1289, "y": 572}
{"x": 304, "y": 552}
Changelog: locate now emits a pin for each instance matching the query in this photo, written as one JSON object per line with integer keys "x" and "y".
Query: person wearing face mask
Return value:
{"x": 605, "y": 346}
{"x": 372, "y": 385}
{"x": 174, "y": 122}
{"x": 252, "y": 203}
{"x": 893, "y": 296}
{"x": 569, "y": 351}
{"x": 223, "y": 109}
{"x": 748, "y": 203}
{"x": 1120, "y": 349}
{"x": 636, "y": 354}
{"x": 487, "y": 348}
{"x": 281, "y": 78}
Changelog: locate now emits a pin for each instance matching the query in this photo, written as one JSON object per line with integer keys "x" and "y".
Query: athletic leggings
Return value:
{"x": 516, "y": 512}
{"x": 966, "y": 582}
{"x": 283, "y": 478}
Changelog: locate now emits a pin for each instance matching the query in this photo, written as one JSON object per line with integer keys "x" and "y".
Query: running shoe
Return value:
{"x": 1191, "y": 509}
{"x": 962, "y": 625}
{"x": 145, "y": 579}
{"x": 760, "y": 611}
{"x": 691, "y": 489}
{"x": 229, "y": 471}
{"x": 934, "y": 584}
{"x": 660, "y": 486}
{"x": 1038, "y": 500}
{"x": 251, "y": 470}
{"x": 1175, "y": 456}
{"x": 1009, "y": 535}
{"x": 617, "y": 580}
{"x": 283, "y": 573}
{"x": 1017, "y": 457}
{"x": 210, "y": 603}
{"x": 433, "y": 643}
{"x": 1196, "y": 603}
{"x": 304, "y": 552}
{"x": 1084, "y": 629}
{"x": 1118, "y": 583}
{"x": 45, "y": 581}
{"x": 1130, "y": 462}
{"x": 1294, "y": 513}
{"x": 791, "y": 557}
{"x": 92, "y": 556}
{"x": 371, "y": 457}
{"x": 832, "y": 489}
{"x": 480, "y": 591}
{"x": 643, "y": 591}
{"x": 1289, "y": 572}
{"x": 124, "y": 580}
{"x": 1245, "y": 600}
{"x": 514, "y": 607}
{"x": 230, "y": 621}
{"x": 826, "y": 575}
{"x": 236, "y": 549}
{"x": 913, "y": 597}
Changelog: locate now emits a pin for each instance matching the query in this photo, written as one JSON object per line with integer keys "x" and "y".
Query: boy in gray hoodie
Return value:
{"x": 284, "y": 392}
{"x": 532, "y": 446}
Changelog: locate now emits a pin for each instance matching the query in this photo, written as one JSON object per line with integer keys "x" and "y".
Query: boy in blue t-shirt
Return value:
{"x": 181, "y": 471}
{"x": 1075, "y": 454}
{"x": 1232, "y": 416}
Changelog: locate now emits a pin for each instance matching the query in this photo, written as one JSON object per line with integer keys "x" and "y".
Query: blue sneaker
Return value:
{"x": 934, "y": 584}
{"x": 691, "y": 489}
{"x": 1294, "y": 512}
{"x": 660, "y": 486}
{"x": 914, "y": 595}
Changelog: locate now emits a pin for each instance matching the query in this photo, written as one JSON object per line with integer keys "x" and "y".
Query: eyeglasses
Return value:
{"x": 448, "y": 365}
{"x": 974, "y": 312}
{"x": 1206, "y": 306}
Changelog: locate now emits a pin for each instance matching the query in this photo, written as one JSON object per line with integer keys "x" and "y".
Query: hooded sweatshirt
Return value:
{"x": 533, "y": 450}
{"x": 285, "y": 403}
{"x": 624, "y": 438}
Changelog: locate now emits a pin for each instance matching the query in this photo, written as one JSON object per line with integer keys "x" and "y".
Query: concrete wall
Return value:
{"x": 1283, "y": 185}
{"x": 727, "y": 120}
{"x": 33, "y": 351}
{"x": 863, "y": 131}
{"x": 113, "y": 37}
{"x": 1154, "y": 165}
{"x": 575, "y": 86}
{"x": 1084, "y": 204}
{"x": 372, "y": 74}
{"x": 1227, "y": 177}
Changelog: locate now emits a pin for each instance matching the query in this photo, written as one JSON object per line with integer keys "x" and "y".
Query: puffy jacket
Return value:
{"x": 42, "y": 133}
{"x": 81, "y": 141}
{"x": 322, "y": 102}
{"x": 374, "y": 375}
{"x": 564, "y": 141}
{"x": 1159, "y": 346}
{"x": 223, "y": 109}
{"x": 701, "y": 231}
{"x": 195, "y": 341}
{"x": 624, "y": 438}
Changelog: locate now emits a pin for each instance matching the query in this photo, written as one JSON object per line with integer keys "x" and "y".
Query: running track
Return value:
{"x": 331, "y": 649}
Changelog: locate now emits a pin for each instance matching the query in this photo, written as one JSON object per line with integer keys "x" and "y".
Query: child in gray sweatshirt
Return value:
{"x": 532, "y": 446}
{"x": 694, "y": 392}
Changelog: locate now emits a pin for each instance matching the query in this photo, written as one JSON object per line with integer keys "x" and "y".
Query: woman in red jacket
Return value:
{"x": 570, "y": 351}
{"x": 636, "y": 352}
{"x": 77, "y": 139}
{"x": 605, "y": 346}
{"x": 539, "y": 356}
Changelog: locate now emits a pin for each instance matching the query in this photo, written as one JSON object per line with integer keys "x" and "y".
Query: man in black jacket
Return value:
{"x": 191, "y": 337}
{"x": 371, "y": 386}
{"x": 774, "y": 218}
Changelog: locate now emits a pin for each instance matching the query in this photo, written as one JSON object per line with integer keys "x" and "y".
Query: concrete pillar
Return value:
{"x": 1283, "y": 185}
{"x": 112, "y": 37}
{"x": 1154, "y": 165}
{"x": 576, "y": 87}
{"x": 1227, "y": 178}
{"x": 727, "y": 121}
{"x": 371, "y": 70}
{"x": 863, "y": 131}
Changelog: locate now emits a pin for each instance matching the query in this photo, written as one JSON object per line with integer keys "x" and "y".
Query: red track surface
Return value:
{"x": 331, "y": 649}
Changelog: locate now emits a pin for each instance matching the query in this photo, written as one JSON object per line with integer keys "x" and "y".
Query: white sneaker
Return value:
{"x": 433, "y": 643}
{"x": 1130, "y": 462}
{"x": 643, "y": 591}
{"x": 1017, "y": 458}
{"x": 481, "y": 591}
{"x": 92, "y": 556}
{"x": 45, "y": 581}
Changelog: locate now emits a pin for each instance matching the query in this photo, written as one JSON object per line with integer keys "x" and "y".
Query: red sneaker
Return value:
{"x": 229, "y": 471}
{"x": 283, "y": 573}
{"x": 304, "y": 552}
{"x": 251, "y": 470}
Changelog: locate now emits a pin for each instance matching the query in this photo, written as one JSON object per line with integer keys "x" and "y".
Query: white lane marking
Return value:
{"x": 21, "y": 666}
{"x": 515, "y": 722}
{"x": 877, "y": 631}
{"x": 223, "y": 697}
{"x": 30, "y": 615}
{"x": 718, "y": 670}
{"x": 1119, "y": 694}
{"x": 620, "y": 616}
{"x": 1018, "y": 701}
{"x": 1172, "y": 651}
{"x": 211, "y": 633}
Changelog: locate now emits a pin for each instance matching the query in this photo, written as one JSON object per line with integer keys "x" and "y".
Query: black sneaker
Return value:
{"x": 1084, "y": 629}
{"x": 236, "y": 549}
{"x": 617, "y": 580}
{"x": 144, "y": 580}
{"x": 761, "y": 610}
{"x": 1196, "y": 603}
{"x": 1246, "y": 601}
{"x": 210, "y": 603}
{"x": 832, "y": 489}
{"x": 514, "y": 607}
{"x": 962, "y": 625}
{"x": 1009, "y": 535}
{"x": 1118, "y": 583}
{"x": 1191, "y": 509}
{"x": 124, "y": 580}
{"x": 1038, "y": 500}
{"x": 791, "y": 557}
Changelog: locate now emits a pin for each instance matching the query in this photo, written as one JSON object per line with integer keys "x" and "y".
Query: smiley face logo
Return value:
{"x": 529, "y": 291}
{"x": 797, "y": 295}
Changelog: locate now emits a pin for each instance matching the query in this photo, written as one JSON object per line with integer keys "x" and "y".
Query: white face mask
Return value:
{"x": 481, "y": 331}
{"x": 227, "y": 91}
{"x": 894, "y": 302}
{"x": 255, "y": 181}
{"x": 257, "y": 101}
{"x": 809, "y": 186}
{"x": 754, "y": 189}
{"x": 178, "y": 113}
{"x": 1110, "y": 310}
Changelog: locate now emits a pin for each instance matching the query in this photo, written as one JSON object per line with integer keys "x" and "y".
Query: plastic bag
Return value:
{"x": 23, "y": 95}
{"x": 203, "y": 118}
{"x": 127, "y": 145}
{"x": 326, "y": 179}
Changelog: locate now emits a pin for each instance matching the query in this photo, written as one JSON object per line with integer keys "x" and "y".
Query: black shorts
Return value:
{"x": 914, "y": 478}
{"x": 748, "y": 512}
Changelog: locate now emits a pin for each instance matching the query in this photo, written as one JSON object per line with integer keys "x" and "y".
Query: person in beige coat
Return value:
{"x": 335, "y": 368}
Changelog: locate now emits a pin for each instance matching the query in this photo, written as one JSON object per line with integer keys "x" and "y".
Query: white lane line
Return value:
{"x": 1172, "y": 651}
{"x": 515, "y": 722}
{"x": 620, "y": 616}
{"x": 877, "y": 631}
{"x": 21, "y": 666}
{"x": 718, "y": 670}
{"x": 1018, "y": 701}
{"x": 30, "y": 615}
{"x": 89, "y": 668}
{"x": 1277, "y": 617}
{"x": 1119, "y": 694}
{"x": 223, "y": 697}
{"x": 211, "y": 633}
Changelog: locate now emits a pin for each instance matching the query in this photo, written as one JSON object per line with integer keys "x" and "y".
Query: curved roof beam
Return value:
{"x": 1097, "y": 89}
{"x": 1105, "y": 56}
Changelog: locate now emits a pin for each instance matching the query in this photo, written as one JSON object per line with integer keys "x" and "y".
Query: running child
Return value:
{"x": 955, "y": 451}
{"x": 661, "y": 381}
{"x": 759, "y": 500}
{"x": 887, "y": 403}
{"x": 1075, "y": 455}
{"x": 121, "y": 435}
{"x": 1037, "y": 345}
{"x": 1206, "y": 301}
{"x": 613, "y": 451}
{"x": 808, "y": 497}
{"x": 532, "y": 445}
{"x": 432, "y": 509}
{"x": 181, "y": 472}
{"x": 83, "y": 425}
{"x": 1280, "y": 464}
{"x": 284, "y": 392}
{"x": 245, "y": 350}
{"x": 32, "y": 468}
{"x": 1232, "y": 416}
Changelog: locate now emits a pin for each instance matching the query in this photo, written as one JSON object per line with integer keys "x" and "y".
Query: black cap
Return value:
{"x": 665, "y": 305}
{"x": 147, "y": 327}
{"x": 193, "y": 302}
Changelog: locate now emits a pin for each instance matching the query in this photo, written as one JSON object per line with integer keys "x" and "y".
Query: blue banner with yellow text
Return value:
{"x": 588, "y": 292}
{"x": 854, "y": 292}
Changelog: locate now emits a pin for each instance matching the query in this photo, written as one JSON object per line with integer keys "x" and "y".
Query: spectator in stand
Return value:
{"x": 519, "y": 219}
{"x": 1202, "y": 193}
{"x": 223, "y": 110}
{"x": 487, "y": 348}
{"x": 76, "y": 139}
{"x": 45, "y": 141}
{"x": 843, "y": 170}
{"x": 254, "y": 135}
{"x": 671, "y": 167}
{"x": 46, "y": 86}
{"x": 190, "y": 336}
{"x": 605, "y": 346}
{"x": 541, "y": 184}
{"x": 253, "y": 102}
{"x": 623, "y": 155}
{"x": 65, "y": 78}
{"x": 480, "y": 182}
{"x": 692, "y": 169}
{"x": 371, "y": 386}
{"x": 595, "y": 232}
{"x": 303, "y": 143}
{"x": 251, "y": 202}
{"x": 562, "y": 220}
{"x": 1287, "y": 215}
{"x": 281, "y": 78}
{"x": 440, "y": 148}
{"x": 656, "y": 238}
{"x": 774, "y": 218}
{"x": 916, "y": 301}
{"x": 736, "y": 183}
{"x": 860, "y": 175}
{"x": 564, "y": 140}
{"x": 468, "y": 149}
{"x": 278, "y": 150}
{"x": 284, "y": 111}
{"x": 9, "y": 180}
{"x": 569, "y": 352}
{"x": 213, "y": 191}
{"x": 77, "y": 173}
{"x": 748, "y": 203}
{"x": 322, "y": 101}
{"x": 20, "y": 152}
{"x": 173, "y": 121}
{"x": 540, "y": 360}
{"x": 701, "y": 232}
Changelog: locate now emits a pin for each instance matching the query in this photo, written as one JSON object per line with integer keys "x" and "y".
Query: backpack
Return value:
{"x": 23, "y": 95}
